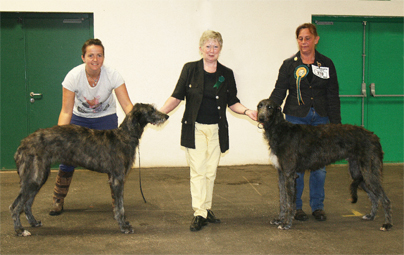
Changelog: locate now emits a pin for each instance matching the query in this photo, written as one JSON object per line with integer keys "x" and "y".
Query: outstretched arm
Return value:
{"x": 241, "y": 109}
{"x": 66, "y": 113}
{"x": 122, "y": 94}
{"x": 170, "y": 105}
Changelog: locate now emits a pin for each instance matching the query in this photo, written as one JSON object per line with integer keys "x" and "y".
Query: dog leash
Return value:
{"x": 140, "y": 177}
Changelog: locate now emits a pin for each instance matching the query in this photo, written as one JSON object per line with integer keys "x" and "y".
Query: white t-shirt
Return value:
{"x": 93, "y": 102}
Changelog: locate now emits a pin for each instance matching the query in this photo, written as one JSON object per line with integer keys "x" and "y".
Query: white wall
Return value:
{"x": 148, "y": 42}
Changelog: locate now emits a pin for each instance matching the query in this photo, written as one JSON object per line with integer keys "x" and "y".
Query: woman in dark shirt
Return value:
{"x": 208, "y": 87}
{"x": 313, "y": 99}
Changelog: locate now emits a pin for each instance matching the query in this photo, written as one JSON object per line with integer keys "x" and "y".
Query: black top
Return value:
{"x": 208, "y": 113}
{"x": 322, "y": 92}
{"x": 190, "y": 86}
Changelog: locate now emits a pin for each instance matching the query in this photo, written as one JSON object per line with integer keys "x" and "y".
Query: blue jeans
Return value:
{"x": 103, "y": 123}
{"x": 317, "y": 177}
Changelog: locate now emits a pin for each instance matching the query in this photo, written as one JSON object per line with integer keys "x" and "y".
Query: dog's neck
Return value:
{"x": 272, "y": 128}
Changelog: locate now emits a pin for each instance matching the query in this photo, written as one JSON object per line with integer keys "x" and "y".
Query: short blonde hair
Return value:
{"x": 211, "y": 35}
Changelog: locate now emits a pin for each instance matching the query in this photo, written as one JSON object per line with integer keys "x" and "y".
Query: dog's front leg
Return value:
{"x": 289, "y": 201}
{"x": 117, "y": 185}
{"x": 282, "y": 199}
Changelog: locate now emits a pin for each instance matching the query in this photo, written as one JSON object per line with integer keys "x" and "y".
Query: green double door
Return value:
{"x": 368, "y": 55}
{"x": 37, "y": 51}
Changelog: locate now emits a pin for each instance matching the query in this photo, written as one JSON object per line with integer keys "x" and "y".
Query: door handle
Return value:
{"x": 363, "y": 92}
{"x": 32, "y": 95}
{"x": 373, "y": 92}
{"x": 362, "y": 95}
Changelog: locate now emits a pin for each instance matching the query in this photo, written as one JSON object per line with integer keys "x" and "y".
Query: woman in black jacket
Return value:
{"x": 313, "y": 99}
{"x": 208, "y": 87}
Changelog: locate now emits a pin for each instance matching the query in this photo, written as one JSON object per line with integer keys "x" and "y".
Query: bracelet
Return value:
{"x": 246, "y": 111}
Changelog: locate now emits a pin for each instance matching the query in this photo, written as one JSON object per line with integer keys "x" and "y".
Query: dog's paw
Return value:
{"x": 368, "y": 217}
{"x": 276, "y": 222}
{"x": 36, "y": 224}
{"x": 24, "y": 233}
{"x": 386, "y": 227}
{"x": 284, "y": 226}
{"x": 127, "y": 230}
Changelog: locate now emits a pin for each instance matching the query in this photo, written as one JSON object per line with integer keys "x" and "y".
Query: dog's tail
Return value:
{"x": 354, "y": 189}
{"x": 357, "y": 178}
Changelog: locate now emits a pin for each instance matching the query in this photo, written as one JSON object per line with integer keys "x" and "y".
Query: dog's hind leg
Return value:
{"x": 32, "y": 185}
{"x": 372, "y": 185}
{"x": 375, "y": 185}
{"x": 367, "y": 186}
{"x": 387, "y": 211}
{"x": 28, "y": 211}
{"x": 16, "y": 209}
{"x": 15, "y": 214}
{"x": 117, "y": 185}
{"x": 376, "y": 194}
{"x": 373, "y": 199}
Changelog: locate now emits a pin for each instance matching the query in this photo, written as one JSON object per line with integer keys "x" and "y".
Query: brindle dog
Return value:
{"x": 296, "y": 148}
{"x": 104, "y": 151}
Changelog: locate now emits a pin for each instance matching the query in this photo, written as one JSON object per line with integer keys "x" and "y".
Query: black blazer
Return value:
{"x": 320, "y": 93}
{"x": 190, "y": 86}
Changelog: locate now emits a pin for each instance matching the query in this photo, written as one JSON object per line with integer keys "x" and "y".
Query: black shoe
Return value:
{"x": 300, "y": 215}
{"x": 319, "y": 215}
{"x": 212, "y": 218}
{"x": 197, "y": 223}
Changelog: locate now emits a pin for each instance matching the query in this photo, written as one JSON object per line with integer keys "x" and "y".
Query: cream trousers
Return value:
{"x": 203, "y": 162}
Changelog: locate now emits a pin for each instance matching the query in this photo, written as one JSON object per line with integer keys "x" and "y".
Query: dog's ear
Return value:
{"x": 135, "y": 108}
{"x": 279, "y": 115}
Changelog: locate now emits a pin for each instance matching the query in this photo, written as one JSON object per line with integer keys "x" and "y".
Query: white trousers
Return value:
{"x": 203, "y": 162}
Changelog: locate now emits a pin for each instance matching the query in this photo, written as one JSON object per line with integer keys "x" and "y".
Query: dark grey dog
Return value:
{"x": 104, "y": 151}
{"x": 296, "y": 148}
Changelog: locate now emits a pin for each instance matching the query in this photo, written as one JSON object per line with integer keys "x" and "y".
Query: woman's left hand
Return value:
{"x": 252, "y": 114}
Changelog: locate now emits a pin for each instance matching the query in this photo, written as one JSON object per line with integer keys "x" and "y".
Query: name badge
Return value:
{"x": 322, "y": 72}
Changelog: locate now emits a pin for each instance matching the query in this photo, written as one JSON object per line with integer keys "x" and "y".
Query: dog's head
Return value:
{"x": 141, "y": 115}
{"x": 147, "y": 113}
{"x": 269, "y": 112}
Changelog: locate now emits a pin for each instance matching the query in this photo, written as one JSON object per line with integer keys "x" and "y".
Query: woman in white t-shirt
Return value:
{"x": 88, "y": 101}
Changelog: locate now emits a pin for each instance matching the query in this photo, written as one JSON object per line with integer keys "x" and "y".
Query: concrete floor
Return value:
{"x": 245, "y": 199}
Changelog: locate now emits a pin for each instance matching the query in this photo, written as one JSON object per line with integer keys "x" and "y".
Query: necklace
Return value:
{"x": 95, "y": 80}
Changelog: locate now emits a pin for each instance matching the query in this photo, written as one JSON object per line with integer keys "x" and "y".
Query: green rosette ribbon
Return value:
{"x": 300, "y": 72}
{"x": 219, "y": 82}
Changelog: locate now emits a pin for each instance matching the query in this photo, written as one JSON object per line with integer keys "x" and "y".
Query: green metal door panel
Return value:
{"x": 342, "y": 42}
{"x": 13, "y": 90}
{"x": 53, "y": 49}
{"x": 368, "y": 50}
{"x": 385, "y": 64}
{"x": 38, "y": 50}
